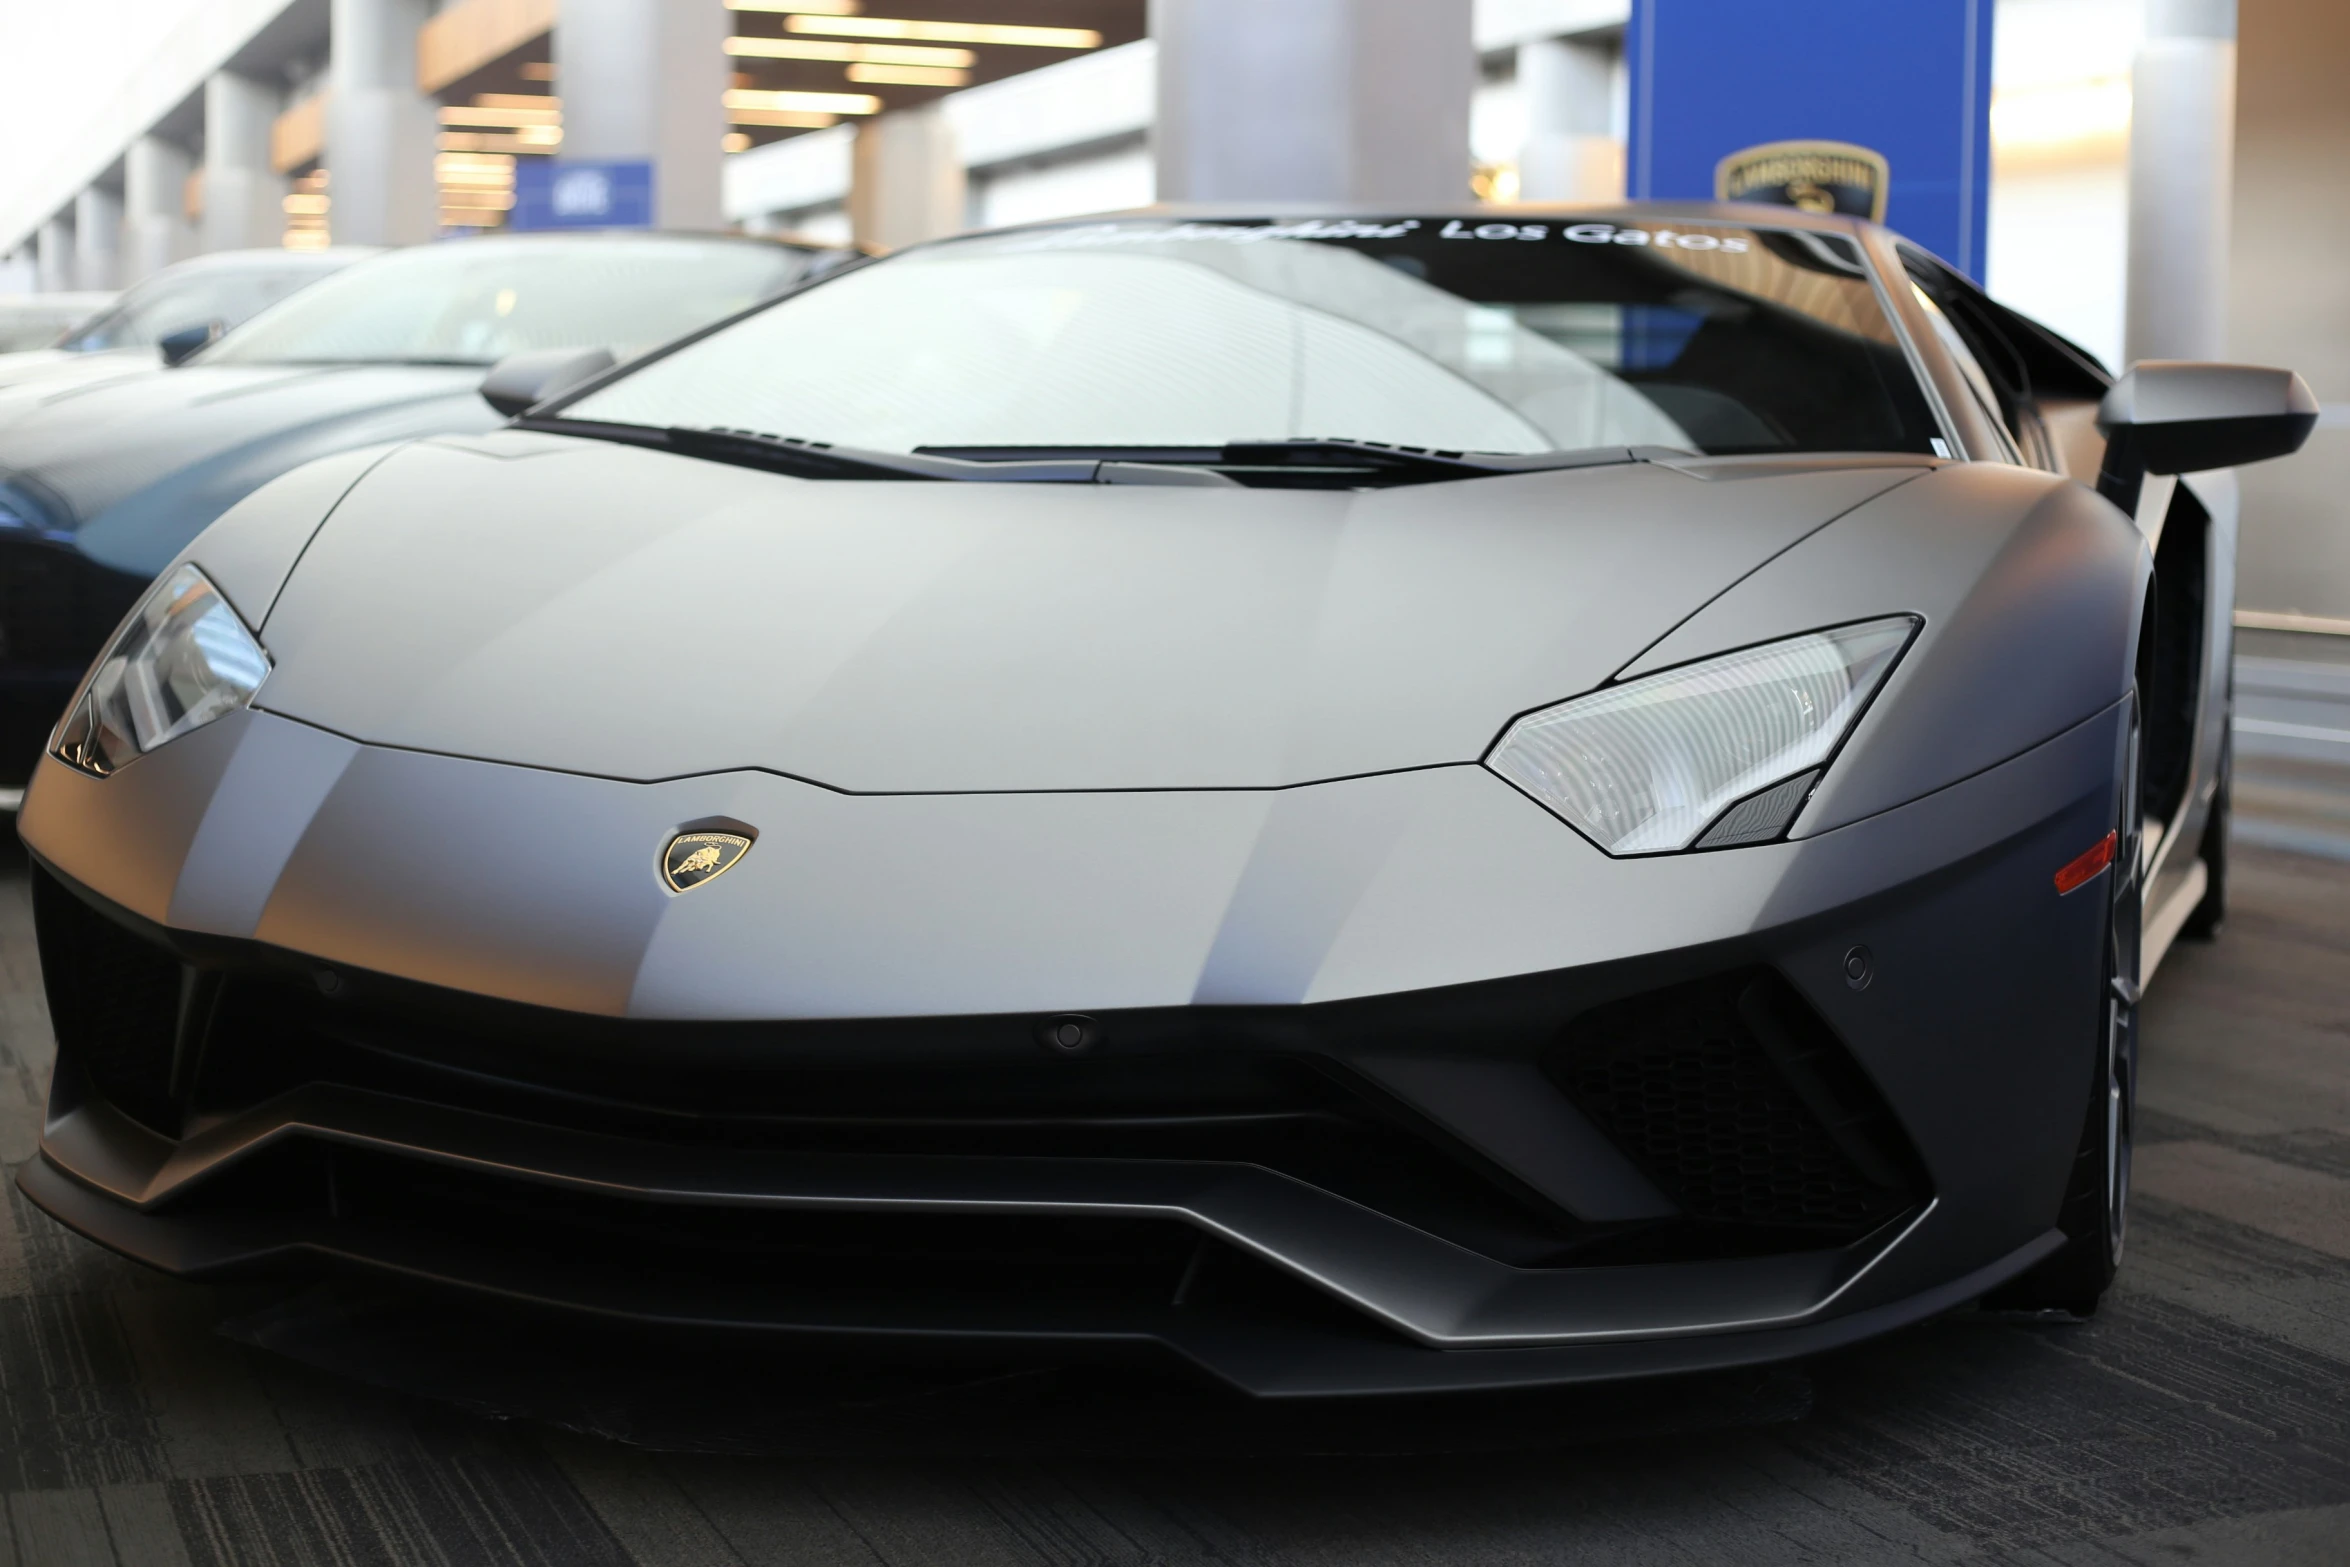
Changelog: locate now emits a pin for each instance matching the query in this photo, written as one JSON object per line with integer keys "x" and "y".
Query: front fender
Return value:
{"x": 142, "y": 532}
{"x": 2030, "y": 587}
{"x": 251, "y": 548}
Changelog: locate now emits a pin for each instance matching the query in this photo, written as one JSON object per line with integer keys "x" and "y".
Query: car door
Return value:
{"x": 2047, "y": 392}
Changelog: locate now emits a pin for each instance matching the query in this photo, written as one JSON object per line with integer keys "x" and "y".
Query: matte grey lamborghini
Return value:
{"x": 1381, "y": 803}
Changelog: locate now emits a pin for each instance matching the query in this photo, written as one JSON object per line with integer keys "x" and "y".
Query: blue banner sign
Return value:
{"x": 552, "y": 194}
{"x": 1895, "y": 89}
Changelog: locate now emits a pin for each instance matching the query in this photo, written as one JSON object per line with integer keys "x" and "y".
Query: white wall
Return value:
{"x": 793, "y": 175}
{"x": 80, "y": 79}
{"x": 2059, "y": 242}
{"x": 1103, "y": 183}
{"x": 2289, "y": 297}
{"x": 2059, "y": 251}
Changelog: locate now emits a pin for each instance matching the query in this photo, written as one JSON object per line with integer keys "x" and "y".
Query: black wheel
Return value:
{"x": 2096, "y": 1211}
{"x": 2212, "y": 913}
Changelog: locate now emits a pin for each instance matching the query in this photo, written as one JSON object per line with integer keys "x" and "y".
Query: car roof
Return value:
{"x": 270, "y": 258}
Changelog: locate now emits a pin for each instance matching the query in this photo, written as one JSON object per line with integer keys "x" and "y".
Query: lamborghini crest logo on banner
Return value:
{"x": 693, "y": 858}
{"x": 1817, "y": 176}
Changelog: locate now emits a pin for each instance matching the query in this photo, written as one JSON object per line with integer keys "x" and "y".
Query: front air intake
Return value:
{"x": 114, "y": 1001}
{"x": 1734, "y": 1095}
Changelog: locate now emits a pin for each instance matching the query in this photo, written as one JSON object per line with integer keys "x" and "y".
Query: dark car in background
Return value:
{"x": 102, "y": 485}
{"x": 190, "y": 301}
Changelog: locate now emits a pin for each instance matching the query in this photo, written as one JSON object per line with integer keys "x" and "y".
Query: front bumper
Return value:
{"x": 1657, "y": 1131}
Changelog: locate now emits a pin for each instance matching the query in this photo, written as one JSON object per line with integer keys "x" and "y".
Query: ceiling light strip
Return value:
{"x": 946, "y": 32}
{"x": 503, "y": 119}
{"x": 789, "y": 119}
{"x": 816, "y": 102}
{"x": 834, "y": 49}
{"x": 909, "y": 75}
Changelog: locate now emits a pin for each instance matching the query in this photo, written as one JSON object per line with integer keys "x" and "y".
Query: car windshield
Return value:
{"x": 1466, "y": 335}
{"x": 474, "y": 301}
{"x": 176, "y": 300}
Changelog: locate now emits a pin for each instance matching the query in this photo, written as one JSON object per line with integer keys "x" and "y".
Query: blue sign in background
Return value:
{"x": 1909, "y": 78}
{"x": 552, "y": 194}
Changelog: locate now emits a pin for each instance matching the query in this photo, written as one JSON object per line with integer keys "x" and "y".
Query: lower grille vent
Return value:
{"x": 115, "y": 1002}
{"x": 923, "y": 1087}
{"x": 1736, "y": 1098}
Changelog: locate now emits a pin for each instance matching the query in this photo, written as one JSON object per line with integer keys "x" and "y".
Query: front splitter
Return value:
{"x": 1264, "y": 1357}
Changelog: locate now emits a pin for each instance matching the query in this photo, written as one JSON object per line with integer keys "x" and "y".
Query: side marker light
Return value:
{"x": 2085, "y": 868}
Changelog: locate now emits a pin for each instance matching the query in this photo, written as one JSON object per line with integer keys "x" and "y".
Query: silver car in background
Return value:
{"x": 173, "y": 313}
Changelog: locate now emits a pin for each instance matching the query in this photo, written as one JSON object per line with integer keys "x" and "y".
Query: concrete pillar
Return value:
{"x": 907, "y": 182}
{"x": 244, "y": 197}
{"x": 2182, "y": 159}
{"x": 1567, "y": 88}
{"x": 1313, "y": 100}
{"x": 155, "y": 230}
{"x": 379, "y": 129}
{"x": 53, "y": 256}
{"x": 97, "y": 239}
{"x": 2287, "y": 302}
{"x": 643, "y": 81}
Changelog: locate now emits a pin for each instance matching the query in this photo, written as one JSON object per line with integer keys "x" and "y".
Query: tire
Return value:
{"x": 2212, "y": 913}
{"x": 2095, "y": 1213}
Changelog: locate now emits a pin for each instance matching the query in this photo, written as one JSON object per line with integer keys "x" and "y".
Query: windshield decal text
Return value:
{"x": 1661, "y": 239}
{"x": 1457, "y": 229}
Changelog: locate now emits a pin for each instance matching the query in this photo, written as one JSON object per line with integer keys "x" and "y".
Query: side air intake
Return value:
{"x": 1737, "y": 1099}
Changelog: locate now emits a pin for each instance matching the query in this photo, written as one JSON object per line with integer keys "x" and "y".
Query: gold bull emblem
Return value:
{"x": 693, "y": 858}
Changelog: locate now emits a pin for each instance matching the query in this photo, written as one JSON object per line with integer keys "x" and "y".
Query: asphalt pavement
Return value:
{"x": 2203, "y": 1417}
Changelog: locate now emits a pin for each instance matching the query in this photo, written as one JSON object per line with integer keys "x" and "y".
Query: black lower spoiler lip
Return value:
{"x": 1398, "y": 1278}
{"x": 1250, "y": 1353}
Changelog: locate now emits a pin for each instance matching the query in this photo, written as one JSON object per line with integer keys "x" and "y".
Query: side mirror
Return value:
{"x": 180, "y": 346}
{"x": 519, "y": 381}
{"x": 2173, "y": 416}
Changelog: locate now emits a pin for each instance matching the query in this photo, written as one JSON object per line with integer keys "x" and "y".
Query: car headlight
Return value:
{"x": 1710, "y": 755}
{"x": 183, "y": 660}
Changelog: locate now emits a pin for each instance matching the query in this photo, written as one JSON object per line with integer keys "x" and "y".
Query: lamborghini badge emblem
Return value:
{"x": 1817, "y": 176}
{"x": 693, "y": 858}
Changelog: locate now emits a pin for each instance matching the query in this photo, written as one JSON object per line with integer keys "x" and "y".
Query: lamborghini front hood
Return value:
{"x": 626, "y": 613}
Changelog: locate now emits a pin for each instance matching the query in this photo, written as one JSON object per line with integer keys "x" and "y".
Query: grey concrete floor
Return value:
{"x": 2203, "y": 1417}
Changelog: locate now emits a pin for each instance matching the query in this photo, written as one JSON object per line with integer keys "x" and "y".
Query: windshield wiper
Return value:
{"x": 1318, "y": 463}
{"x": 1321, "y": 462}
{"x": 824, "y": 460}
{"x": 1406, "y": 464}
